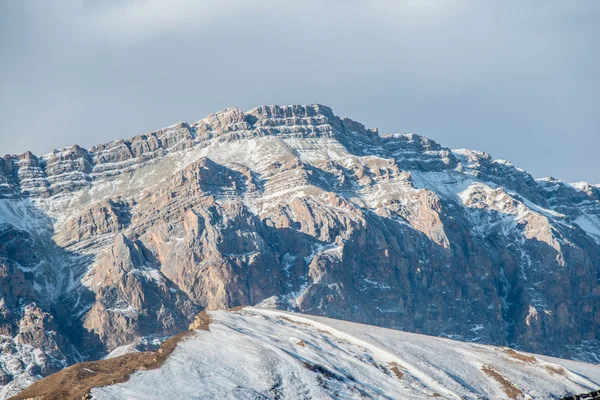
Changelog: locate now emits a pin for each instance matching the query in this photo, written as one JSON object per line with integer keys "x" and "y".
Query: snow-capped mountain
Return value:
{"x": 264, "y": 354}
{"x": 291, "y": 208}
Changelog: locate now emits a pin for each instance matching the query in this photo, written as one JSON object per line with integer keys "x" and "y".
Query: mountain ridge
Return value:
{"x": 94, "y": 162}
{"x": 293, "y": 208}
{"x": 75, "y": 148}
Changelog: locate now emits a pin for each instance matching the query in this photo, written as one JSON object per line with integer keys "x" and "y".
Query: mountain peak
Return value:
{"x": 296, "y": 208}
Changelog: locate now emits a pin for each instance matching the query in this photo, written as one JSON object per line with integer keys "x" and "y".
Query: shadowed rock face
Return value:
{"x": 295, "y": 208}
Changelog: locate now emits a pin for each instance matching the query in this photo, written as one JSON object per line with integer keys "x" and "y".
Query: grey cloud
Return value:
{"x": 514, "y": 78}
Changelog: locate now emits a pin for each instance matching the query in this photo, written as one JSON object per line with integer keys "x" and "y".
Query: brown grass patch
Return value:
{"x": 509, "y": 388}
{"x": 520, "y": 357}
{"x": 75, "y": 382}
{"x": 201, "y": 322}
{"x": 557, "y": 370}
{"x": 397, "y": 370}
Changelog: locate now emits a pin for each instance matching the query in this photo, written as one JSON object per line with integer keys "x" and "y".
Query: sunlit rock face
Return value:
{"x": 294, "y": 208}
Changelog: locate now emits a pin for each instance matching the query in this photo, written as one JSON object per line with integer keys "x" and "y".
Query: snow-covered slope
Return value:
{"x": 264, "y": 354}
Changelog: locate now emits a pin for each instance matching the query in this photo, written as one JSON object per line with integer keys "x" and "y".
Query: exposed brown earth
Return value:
{"x": 201, "y": 322}
{"x": 294, "y": 321}
{"x": 75, "y": 382}
{"x": 556, "y": 370}
{"x": 395, "y": 368}
{"x": 520, "y": 356}
{"x": 509, "y": 388}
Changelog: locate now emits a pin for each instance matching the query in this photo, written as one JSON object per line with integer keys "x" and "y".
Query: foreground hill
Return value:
{"x": 263, "y": 354}
{"x": 293, "y": 208}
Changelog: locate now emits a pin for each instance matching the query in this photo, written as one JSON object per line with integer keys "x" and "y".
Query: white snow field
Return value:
{"x": 265, "y": 354}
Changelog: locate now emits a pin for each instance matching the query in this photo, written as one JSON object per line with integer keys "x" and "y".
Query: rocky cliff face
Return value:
{"x": 295, "y": 208}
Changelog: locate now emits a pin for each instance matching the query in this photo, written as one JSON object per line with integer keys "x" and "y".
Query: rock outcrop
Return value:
{"x": 295, "y": 208}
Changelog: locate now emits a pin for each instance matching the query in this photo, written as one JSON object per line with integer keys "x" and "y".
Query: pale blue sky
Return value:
{"x": 516, "y": 78}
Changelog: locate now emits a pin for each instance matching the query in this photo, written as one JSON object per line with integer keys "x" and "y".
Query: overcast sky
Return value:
{"x": 518, "y": 79}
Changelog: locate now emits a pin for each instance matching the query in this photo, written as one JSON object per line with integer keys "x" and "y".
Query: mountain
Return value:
{"x": 263, "y": 354}
{"x": 291, "y": 208}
